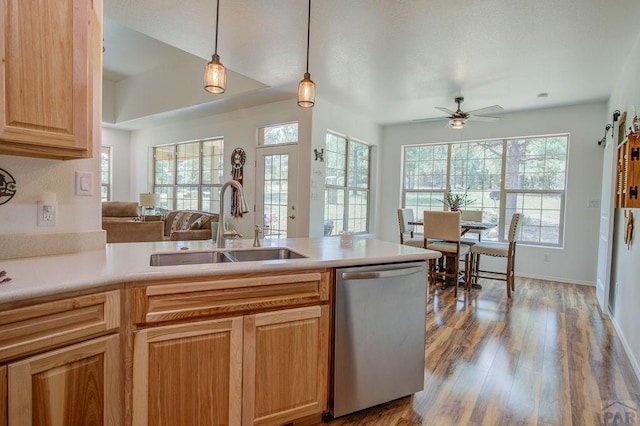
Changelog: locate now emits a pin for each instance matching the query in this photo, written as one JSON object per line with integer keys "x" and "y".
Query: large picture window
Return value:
{"x": 105, "y": 173}
{"x": 346, "y": 185}
{"x": 188, "y": 176}
{"x": 501, "y": 177}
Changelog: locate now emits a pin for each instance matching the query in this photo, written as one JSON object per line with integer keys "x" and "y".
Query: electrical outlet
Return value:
{"x": 546, "y": 257}
{"x": 46, "y": 214}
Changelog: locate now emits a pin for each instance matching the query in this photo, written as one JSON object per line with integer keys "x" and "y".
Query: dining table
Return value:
{"x": 465, "y": 226}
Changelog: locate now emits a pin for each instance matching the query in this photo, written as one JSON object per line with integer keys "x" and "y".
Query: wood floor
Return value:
{"x": 544, "y": 357}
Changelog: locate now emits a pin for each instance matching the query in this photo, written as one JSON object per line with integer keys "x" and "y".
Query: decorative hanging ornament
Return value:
{"x": 8, "y": 186}
{"x": 238, "y": 158}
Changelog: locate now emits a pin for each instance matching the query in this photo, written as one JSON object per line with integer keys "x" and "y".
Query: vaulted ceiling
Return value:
{"x": 393, "y": 61}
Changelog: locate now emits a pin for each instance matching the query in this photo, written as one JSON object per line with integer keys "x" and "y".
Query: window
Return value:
{"x": 105, "y": 173}
{"x": 502, "y": 177}
{"x": 346, "y": 184}
{"x": 188, "y": 176}
{"x": 278, "y": 134}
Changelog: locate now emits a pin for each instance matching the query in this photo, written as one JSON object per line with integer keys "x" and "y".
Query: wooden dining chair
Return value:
{"x": 498, "y": 250}
{"x": 476, "y": 234}
{"x": 445, "y": 227}
{"x": 408, "y": 235}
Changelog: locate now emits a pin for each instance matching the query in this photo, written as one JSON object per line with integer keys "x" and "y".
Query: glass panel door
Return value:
{"x": 276, "y": 191}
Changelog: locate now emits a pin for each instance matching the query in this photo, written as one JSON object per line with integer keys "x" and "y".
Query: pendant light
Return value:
{"x": 307, "y": 88}
{"x": 215, "y": 75}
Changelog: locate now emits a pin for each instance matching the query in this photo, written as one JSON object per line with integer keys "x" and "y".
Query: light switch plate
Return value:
{"x": 84, "y": 183}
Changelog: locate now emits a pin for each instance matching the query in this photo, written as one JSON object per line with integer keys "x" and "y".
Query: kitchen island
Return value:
{"x": 224, "y": 343}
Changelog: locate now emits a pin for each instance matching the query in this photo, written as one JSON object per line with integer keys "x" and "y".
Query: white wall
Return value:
{"x": 239, "y": 129}
{"x": 331, "y": 117}
{"x": 626, "y": 97}
{"x": 35, "y": 176}
{"x": 120, "y": 143}
{"x": 576, "y": 261}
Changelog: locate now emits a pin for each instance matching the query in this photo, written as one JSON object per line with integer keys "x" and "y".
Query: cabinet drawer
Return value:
{"x": 34, "y": 328}
{"x": 189, "y": 299}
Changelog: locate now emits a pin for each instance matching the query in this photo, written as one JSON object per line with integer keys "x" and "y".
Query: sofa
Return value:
{"x": 181, "y": 225}
{"x": 121, "y": 221}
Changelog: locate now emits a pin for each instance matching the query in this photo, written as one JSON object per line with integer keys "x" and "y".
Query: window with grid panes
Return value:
{"x": 346, "y": 184}
{"x": 105, "y": 173}
{"x": 501, "y": 177}
{"x": 188, "y": 176}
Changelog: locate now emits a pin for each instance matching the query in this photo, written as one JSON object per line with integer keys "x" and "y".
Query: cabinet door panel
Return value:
{"x": 77, "y": 385}
{"x": 3, "y": 395}
{"x": 47, "y": 83}
{"x": 188, "y": 374}
{"x": 285, "y": 365}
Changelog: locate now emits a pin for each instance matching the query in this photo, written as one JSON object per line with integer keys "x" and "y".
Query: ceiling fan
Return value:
{"x": 458, "y": 119}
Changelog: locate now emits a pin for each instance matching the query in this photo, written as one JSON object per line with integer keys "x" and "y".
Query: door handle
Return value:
{"x": 293, "y": 216}
{"x": 380, "y": 274}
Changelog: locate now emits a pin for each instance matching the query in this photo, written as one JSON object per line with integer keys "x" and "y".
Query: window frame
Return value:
{"x": 346, "y": 188}
{"x": 503, "y": 221}
{"x": 108, "y": 184}
{"x": 171, "y": 203}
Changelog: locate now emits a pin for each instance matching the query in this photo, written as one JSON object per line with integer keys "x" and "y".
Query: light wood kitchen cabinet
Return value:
{"x": 61, "y": 362}
{"x": 286, "y": 360}
{"x": 75, "y": 385}
{"x": 3, "y": 395}
{"x": 50, "y": 77}
{"x": 188, "y": 374}
{"x": 242, "y": 349}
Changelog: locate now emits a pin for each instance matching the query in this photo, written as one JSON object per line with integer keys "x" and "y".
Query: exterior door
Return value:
{"x": 276, "y": 190}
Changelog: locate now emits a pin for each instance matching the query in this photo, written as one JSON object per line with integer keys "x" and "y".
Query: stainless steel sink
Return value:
{"x": 189, "y": 258}
{"x": 243, "y": 255}
{"x": 265, "y": 253}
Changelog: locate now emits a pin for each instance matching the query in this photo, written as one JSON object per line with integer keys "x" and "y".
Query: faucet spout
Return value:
{"x": 241, "y": 203}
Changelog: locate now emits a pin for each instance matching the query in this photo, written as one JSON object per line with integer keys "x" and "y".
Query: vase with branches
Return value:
{"x": 456, "y": 201}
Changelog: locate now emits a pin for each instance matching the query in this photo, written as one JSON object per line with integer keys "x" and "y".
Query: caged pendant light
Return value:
{"x": 307, "y": 88}
{"x": 215, "y": 75}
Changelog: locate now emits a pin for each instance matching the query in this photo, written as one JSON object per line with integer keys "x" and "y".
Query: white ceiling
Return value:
{"x": 391, "y": 60}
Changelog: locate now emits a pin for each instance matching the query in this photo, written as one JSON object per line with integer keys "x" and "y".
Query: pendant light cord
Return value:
{"x": 308, "y": 34}
{"x": 217, "y": 16}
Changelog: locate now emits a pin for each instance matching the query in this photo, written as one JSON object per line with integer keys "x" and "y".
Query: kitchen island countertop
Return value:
{"x": 37, "y": 277}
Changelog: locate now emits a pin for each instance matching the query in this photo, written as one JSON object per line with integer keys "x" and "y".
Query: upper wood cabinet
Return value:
{"x": 50, "y": 77}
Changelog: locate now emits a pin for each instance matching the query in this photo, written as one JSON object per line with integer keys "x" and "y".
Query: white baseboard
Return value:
{"x": 556, "y": 279}
{"x": 627, "y": 348}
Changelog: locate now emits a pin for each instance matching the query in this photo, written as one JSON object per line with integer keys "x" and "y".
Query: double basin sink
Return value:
{"x": 224, "y": 256}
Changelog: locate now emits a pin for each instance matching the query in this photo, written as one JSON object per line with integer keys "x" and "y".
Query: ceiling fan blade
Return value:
{"x": 423, "y": 120}
{"x": 485, "y": 110}
{"x": 485, "y": 118}
{"x": 446, "y": 110}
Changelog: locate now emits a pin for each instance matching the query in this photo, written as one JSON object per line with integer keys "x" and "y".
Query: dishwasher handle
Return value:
{"x": 380, "y": 274}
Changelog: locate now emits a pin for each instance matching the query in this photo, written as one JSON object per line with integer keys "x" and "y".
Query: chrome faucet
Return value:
{"x": 256, "y": 238}
{"x": 241, "y": 202}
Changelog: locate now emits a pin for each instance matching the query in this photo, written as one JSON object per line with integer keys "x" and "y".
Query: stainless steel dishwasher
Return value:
{"x": 379, "y": 335}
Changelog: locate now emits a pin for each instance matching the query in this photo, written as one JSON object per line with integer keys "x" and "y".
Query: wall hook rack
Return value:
{"x": 603, "y": 142}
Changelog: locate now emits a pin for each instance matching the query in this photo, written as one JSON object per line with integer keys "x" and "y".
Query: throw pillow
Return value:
{"x": 197, "y": 224}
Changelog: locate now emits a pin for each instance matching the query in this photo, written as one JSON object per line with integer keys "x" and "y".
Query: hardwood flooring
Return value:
{"x": 544, "y": 357}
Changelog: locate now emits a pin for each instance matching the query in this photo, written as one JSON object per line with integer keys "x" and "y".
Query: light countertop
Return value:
{"x": 129, "y": 262}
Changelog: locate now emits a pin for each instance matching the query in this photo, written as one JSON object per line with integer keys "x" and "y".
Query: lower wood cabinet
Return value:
{"x": 285, "y": 365}
{"x": 188, "y": 374}
{"x": 265, "y": 368}
{"x": 76, "y": 385}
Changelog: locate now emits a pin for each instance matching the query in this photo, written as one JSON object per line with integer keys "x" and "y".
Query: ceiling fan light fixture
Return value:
{"x": 306, "y": 87}
{"x": 215, "y": 74}
{"x": 457, "y": 123}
